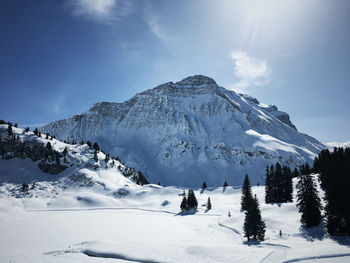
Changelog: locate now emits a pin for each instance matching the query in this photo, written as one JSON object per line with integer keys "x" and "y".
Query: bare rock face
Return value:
{"x": 192, "y": 131}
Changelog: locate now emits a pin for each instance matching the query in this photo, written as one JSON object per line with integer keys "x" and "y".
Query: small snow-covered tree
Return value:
{"x": 95, "y": 156}
{"x": 96, "y": 146}
{"x": 9, "y": 130}
{"x": 192, "y": 202}
{"x": 208, "y": 204}
{"x": 204, "y": 185}
{"x": 183, "y": 205}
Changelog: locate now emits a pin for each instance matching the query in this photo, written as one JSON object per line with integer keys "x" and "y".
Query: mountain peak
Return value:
{"x": 197, "y": 80}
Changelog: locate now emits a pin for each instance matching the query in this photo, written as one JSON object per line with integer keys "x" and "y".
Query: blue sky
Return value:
{"x": 57, "y": 58}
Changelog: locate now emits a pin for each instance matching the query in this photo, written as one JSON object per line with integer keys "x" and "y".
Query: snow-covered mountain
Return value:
{"x": 192, "y": 131}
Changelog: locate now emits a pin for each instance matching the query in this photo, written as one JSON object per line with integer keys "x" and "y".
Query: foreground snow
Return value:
{"x": 123, "y": 222}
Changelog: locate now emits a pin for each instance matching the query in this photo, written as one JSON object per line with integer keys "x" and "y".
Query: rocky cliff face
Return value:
{"x": 192, "y": 131}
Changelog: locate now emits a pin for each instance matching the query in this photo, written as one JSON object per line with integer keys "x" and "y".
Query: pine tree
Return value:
{"x": 308, "y": 202}
{"x": 334, "y": 169}
{"x": 95, "y": 156}
{"x": 208, "y": 204}
{"x": 96, "y": 146}
{"x": 287, "y": 185}
{"x": 27, "y": 129}
{"x": 277, "y": 184}
{"x": 47, "y": 136}
{"x": 107, "y": 158}
{"x": 268, "y": 186}
{"x": 192, "y": 202}
{"x": 49, "y": 147}
{"x": 57, "y": 159}
{"x": 247, "y": 196}
{"x": 204, "y": 185}
{"x": 65, "y": 151}
{"x": 183, "y": 205}
{"x": 82, "y": 142}
{"x": 16, "y": 125}
{"x": 225, "y": 184}
{"x": 25, "y": 187}
{"x": 9, "y": 130}
{"x": 254, "y": 226}
{"x": 295, "y": 172}
{"x": 89, "y": 144}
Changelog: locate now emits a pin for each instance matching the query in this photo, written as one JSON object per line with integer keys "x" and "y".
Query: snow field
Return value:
{"x": 144, "y": 225}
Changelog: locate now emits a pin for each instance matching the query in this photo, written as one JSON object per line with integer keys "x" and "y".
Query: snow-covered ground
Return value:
{"x": 90, "y": 214}
{"x": 134, "y": 223}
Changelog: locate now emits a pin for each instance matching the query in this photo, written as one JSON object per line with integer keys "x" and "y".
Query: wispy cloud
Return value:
{"x": 58, "y": 104}
{"x": 154, "y": 24}
{"x": 102, "y": 11}
{"x": 249, "y": 71}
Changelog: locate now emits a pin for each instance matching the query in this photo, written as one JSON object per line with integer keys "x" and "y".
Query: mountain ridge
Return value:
{"x": 191, "y": 131}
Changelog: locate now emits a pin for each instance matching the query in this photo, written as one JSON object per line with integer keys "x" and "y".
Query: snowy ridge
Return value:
{"x": 331, "y": 145}
{"x": 79, "y": 167}
{"x": 192, "y": 131}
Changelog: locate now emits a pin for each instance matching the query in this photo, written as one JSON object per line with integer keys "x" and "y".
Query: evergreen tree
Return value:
{"x": 295, "y": 172}
{"x": 308, "y": 203}
{"x": 334, "y": 169}
{"x": 225, "y": 184}
{"x": 96, "y": 146}
{"x": 254, "y": 226}
{"x": 204, "y": 185}
{"x": 107, "y": 158}
{"x": 49, "y": 147}
{"x": 192, "y": 202}
{"x": 140, "y": 179}
{"x": 47, "y": 136}
{"x": 268, "y": 186}
{"x": 89, "y": 144}
{"x": 277, "y": 184}
{"x": 65, "y": 151}
{"x": 57, "y": 159}
{"x": 287, "y": 184}
{"x": 95, "y": 156}
{"x": 82, "y": 142}
{"x": 9, "y": 130}
{"x": 25, "y": 187}
{"x": 247, "y": 196}
{"x": 16, "y": 125}
{"x": 183, "y": 205}
{"x": 27, "y": 129}
{"x": 208, "y": 204}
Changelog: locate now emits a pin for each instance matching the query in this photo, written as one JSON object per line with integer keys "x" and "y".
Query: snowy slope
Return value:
{"x": 192, "y": 131}
{"x": 55, "y": 224}
{"x": 331, "y": 145}
{"x": 81, "y": 170}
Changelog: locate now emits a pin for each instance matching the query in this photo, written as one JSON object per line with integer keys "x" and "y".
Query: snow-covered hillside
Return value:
{"x": 91, "y": 212}
{"x": 26, "y": 157}
{"x": 124, "y": 222}
{"x": 192, "y": 131}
